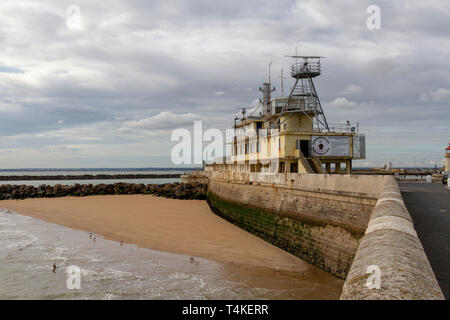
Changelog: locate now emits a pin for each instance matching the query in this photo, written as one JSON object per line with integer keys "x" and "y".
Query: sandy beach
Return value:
{"x": 179, "y": 226}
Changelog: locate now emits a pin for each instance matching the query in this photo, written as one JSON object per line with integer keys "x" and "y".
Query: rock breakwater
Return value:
{"x": 169, "y": 190}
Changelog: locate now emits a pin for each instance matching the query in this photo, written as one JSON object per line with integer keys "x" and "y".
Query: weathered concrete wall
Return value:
{"x": 196, "y": 177}
{"x": 391, "y": 244}
{"x": 351, "y": 184}
{"x": 320, "y": 219}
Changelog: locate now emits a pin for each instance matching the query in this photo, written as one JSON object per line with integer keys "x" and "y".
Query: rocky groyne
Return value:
{"x": 169, "y": 190}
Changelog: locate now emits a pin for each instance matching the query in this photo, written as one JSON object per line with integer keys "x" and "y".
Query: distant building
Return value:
{"x": 447, "y": 158}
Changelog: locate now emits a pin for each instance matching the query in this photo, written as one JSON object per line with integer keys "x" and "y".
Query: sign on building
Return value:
{"x": 334, "y": 146}
{"x": 359, "y": 147}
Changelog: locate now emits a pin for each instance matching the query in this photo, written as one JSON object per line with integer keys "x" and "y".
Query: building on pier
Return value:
{"x": 291, "y": 134}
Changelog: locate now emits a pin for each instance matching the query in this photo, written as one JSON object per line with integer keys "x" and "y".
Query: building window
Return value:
{"x": 258, "y": 146}
{"x": 281, "y": 167}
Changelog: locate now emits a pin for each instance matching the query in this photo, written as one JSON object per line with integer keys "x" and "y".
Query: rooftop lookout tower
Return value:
{"x": 303, "y": 97}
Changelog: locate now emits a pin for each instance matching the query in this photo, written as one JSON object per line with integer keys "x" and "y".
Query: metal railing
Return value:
{"x": 303, "y": 160}
{"x": 340, "y": 127}
{"x": 305, "y": 69}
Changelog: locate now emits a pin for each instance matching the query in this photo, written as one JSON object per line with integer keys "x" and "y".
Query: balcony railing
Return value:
{"x": 303, "y": 69}
{"x": 339, "y": 127}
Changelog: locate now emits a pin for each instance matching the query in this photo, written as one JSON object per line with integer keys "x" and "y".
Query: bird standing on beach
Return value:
{"x": 121, "y": 243}
{"x": 90, "y": 235}
{"x": 54, "y": 268}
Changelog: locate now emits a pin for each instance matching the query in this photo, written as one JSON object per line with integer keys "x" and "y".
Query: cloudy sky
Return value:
{"x": 104, "y": 83}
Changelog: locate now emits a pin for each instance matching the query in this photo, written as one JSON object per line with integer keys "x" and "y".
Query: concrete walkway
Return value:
{"x": 429, "y": 206}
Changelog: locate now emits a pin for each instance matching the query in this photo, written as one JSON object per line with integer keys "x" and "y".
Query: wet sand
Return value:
{"x": 186, "y": 227}
{"x": 179, "y": 226}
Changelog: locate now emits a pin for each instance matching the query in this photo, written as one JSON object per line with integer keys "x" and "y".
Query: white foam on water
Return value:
{"x": 31, "y": 246}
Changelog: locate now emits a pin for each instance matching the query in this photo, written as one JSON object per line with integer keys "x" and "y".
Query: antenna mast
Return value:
{"x": 282, "y": 84}
{"x": 266, "y": 89}
{"x": 269, "y": 69}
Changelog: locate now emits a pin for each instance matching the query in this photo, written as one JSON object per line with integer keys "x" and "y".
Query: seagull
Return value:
{"x": 54, "y": 268}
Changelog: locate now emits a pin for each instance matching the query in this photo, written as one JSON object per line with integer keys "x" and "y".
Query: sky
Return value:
{"x": 104, "y": 83}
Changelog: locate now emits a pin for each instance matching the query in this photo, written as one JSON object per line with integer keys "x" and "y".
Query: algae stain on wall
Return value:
{"x": 330, "y": 248}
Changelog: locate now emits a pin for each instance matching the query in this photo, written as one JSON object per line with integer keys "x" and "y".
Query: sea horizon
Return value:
{"x": 158, "y": 169}
{"x": 104, "y": 169}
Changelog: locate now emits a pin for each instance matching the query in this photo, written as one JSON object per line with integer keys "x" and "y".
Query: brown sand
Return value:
{"x": 180, "y": 226}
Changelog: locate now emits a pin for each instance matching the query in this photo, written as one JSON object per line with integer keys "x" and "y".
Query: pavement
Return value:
{"x": 429, "y": 207}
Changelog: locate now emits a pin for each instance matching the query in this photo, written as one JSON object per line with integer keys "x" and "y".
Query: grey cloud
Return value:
{"x": 137, "y": 60}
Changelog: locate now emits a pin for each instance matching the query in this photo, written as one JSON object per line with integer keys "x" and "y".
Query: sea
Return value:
{"x": 93, "y": 171}
{"x": 102, "y": 269}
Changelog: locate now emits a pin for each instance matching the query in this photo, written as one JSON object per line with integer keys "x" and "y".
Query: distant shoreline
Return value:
{"x": 98, "y": 169}
{"x": 89, "y": 177}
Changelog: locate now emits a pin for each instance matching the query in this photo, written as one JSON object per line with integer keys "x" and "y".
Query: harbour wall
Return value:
{"x": 391, "y": 246}
{"x": 340, "y": 223}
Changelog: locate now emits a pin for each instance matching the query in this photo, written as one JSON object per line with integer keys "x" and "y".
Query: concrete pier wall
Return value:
{"x": 340, "y": 223}
{"x": 319, "y": 218}
{"x": 391, "y": 246}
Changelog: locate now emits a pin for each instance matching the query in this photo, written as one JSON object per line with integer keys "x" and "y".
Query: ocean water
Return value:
{"x": 37, "y": 183}
{"x": 43, "y": 172}
{"x": 109, "y": 270}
